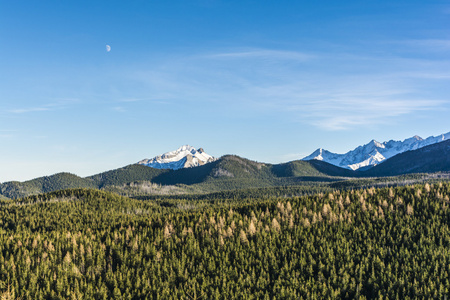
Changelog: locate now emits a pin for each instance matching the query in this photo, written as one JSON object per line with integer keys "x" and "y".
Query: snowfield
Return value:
{"x": 184, "y": 157}
{"x": 374, "y": 152}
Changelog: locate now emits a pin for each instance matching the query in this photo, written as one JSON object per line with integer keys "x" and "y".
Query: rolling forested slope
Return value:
{"x": 228, "y": 173}
{"x": 232, "y": 172}
{"x": 60, "y": 181}
{"x": 390, "y": 243}
{"x": 126, "y": 174}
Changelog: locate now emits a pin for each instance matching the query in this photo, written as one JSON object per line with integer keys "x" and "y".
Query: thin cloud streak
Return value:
{"x": 7, "y": 133}
{"x": 28, "y": 110}
{"x": 359, "y": 91}
{"x": 119, "y": 109}
{"x": 157, "y": 100}
{"x": 264, "y": 53}
{"x": 367, "y": 113}
{"x": 61, "y": 104}
{"x": 432, "y": 45}
{"x": 342, "y": 110}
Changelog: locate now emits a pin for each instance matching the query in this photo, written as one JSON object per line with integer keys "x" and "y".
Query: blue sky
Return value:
{"x": 267, "y": 80}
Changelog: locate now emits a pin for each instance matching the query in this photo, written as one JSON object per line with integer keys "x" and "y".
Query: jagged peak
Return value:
{"x": 317, "y": 154}
{"x": 185, "y": 156}
{"x": 318, "y": 151}
{"x": 374, "y": 152}
{"x": 376, "y": 143}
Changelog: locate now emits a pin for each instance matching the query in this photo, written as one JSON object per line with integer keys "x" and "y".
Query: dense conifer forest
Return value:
{"x": 385, "y": 243}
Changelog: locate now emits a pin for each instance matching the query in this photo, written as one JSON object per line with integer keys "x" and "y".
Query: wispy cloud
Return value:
{"x": 119, "y": 109}
{"x": 434, "y": 45}
{"x": 331, "y": 92}
{"x": 156, "y": 100}
{"x": 57, "y": 105}
{"x": 439, "y": 75}
{"x": 6, "y": 133}
{"x": 265, "y": 54}
{"x": 28, "y": 110}
{"x": 348, "y": 113}
{"x": 129, "y": 100}
{"x": 345, "y": 104}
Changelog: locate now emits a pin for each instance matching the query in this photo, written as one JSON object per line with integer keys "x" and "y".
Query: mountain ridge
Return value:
{"x": 373, "y": 153}
{"x": 231, "y": 172}
{"x": 184, "y": 157}
{"x": 226, "y": 173}
{"x": 429, "y": 159}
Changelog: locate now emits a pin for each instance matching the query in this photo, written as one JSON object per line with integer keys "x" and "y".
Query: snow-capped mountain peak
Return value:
{"x": 184, "y": 157}
{"x": 315, "y": 155}
{"x": 376, "y": 144}
{"x": 374, "y": 152}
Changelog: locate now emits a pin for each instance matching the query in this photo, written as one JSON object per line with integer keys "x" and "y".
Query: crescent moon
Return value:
{"x": 108, "y": 48}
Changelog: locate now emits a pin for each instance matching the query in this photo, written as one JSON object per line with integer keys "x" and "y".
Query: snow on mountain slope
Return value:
{"x": 184, "y": 157}
{"x": 374, "y": 152}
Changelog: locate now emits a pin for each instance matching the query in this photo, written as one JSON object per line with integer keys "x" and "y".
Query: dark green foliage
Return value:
{"x": 310, "y": 168}
{"x": 231, "y": 172}
{"x": 45, "y": 184}
{"x": 389, "y": 243}
{"x": 309, "y": 188}
{"x": 295, "y": 168}
{"x": 125, "y": 175}
{"x": 360, "y": 183}
{"x": 187, "y": 176}
{"x": 228, "y": 173}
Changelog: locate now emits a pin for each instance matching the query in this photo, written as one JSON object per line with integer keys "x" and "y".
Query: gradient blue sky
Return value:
{"x": 266, "y": 80}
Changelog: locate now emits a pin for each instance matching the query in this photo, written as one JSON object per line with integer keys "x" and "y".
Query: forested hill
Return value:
{"x": 60, "y": 181}
{"x": 389, "y": 243}
{"x": 228, "y": 173}
{"x": 232, "y": 172}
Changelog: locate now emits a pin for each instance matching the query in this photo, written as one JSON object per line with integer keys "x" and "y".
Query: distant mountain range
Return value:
{"x": 373, "y": 153}
{"x": 188, "y": 170}
{"x": 184, "y": 157}
{"x": 429, "y": 159}
{"x": 226, "y": 173}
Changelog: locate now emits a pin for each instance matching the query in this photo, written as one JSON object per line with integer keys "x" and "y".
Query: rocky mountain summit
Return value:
{"x": 373, "y": 153}
{"x": 184, "y": 157}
